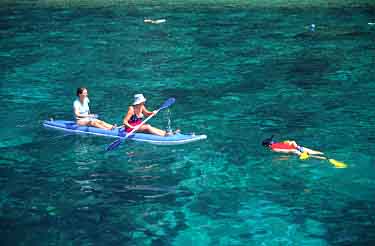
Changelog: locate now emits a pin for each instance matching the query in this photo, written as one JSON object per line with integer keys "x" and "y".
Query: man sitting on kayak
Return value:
{"x": 135, "y": 115}
{"x": 289, "y": 147}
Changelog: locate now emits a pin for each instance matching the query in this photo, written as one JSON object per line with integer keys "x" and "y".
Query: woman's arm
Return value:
{"x": 127, "y": 117}
{"x": 146, "y": 112}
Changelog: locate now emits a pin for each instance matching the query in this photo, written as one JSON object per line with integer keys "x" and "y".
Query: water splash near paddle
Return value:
{"x": 167, "y": 117}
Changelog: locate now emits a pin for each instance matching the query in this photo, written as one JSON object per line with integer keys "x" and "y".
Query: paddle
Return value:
{"x": 117, "y": 142}
{"x": 337, "y": 164}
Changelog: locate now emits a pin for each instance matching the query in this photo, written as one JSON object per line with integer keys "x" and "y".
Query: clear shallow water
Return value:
{"x": 239, "y": 74}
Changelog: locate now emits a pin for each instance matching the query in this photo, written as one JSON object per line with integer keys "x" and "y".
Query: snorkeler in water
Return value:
{"x": 291, "y": 147}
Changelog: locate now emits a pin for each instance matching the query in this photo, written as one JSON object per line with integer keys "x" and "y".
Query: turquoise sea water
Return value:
{"x": 239, "y": 73}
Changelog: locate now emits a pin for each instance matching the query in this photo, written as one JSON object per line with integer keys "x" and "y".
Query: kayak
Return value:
{"x": 71, "y": 126}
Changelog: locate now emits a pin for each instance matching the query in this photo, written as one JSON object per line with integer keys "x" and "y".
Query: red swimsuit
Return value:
{"x": 134, "y": 121}
{"x": 281, "y": 145}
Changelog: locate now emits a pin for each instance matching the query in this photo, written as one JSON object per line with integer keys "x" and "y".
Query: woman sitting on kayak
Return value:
{"x": 135, "y": 115}
{"x": 82, "y": 112}
{"x": 289, "y": 147}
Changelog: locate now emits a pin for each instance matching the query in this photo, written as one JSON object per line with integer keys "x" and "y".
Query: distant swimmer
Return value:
{"x": 154, "y": 21}
{"x": 312, "y": 27}
{"x": 291, "y": 147}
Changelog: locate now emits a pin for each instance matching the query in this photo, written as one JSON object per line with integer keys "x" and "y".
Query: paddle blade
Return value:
{"x": 167, "y": 103}
{"x": 114, "y": 145}
{"x": 337, "y": 164}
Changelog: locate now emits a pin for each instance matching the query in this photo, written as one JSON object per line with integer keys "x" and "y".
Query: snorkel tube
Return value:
{"x": 268, "y": 141}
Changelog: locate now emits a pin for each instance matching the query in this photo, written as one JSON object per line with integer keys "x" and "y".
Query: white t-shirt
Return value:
{"x": 83, "y": 108}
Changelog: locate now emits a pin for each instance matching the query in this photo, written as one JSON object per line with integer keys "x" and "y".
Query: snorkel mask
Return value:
{"x": 267, "y": 142}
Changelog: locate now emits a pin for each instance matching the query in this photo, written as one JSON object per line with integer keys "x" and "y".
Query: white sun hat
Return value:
{"x": 139, "y": 98}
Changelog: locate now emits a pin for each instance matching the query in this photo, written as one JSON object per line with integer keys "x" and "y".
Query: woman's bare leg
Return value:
{"x": 101, "y": 124}
{"x": 105, "y": 125}
{"x": 153, "y": 130}
{"x": 95, "y": 123}
{"x": 83, "y": 122}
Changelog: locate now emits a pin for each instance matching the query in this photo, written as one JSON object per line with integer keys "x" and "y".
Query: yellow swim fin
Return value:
{"x": 337, "y": 164}
{"x": 304, "y": 156}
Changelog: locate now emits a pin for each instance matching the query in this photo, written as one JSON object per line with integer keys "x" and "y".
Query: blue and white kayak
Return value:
{"x": 71, "y": 126}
